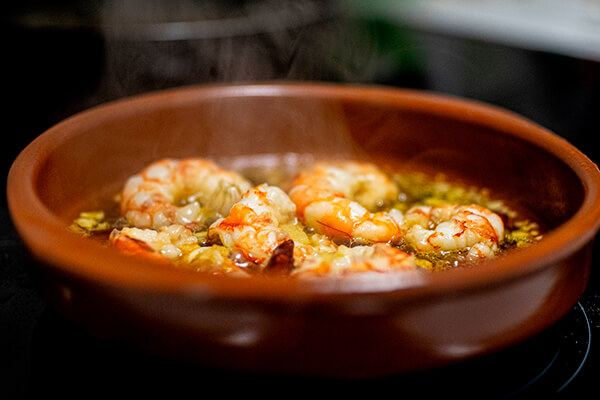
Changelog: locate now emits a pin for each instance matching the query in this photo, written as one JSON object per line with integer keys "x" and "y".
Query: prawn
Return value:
{"x": 379, "y": 257}
{"x": 150, "y": 198}
{"x": 165, "y": 242}
{"x": 173, "y": 244}
{"x": 255, "y": 229}
{"x": 454, "y": 227}
{"x": 336, "y": 199}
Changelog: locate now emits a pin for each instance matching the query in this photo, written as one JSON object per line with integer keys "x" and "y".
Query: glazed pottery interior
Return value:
{"x": 333, "y": 327}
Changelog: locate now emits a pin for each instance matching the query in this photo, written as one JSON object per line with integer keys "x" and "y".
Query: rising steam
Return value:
{"x": 156, "y": 44}
{"x": 159, "y": 44}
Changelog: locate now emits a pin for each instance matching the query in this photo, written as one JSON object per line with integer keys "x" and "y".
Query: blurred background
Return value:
{"x": 539, "y": 58}
{"x": 536, "y": 57}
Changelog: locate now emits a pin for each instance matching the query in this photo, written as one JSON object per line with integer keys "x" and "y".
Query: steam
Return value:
{"x": 157, "y": 44}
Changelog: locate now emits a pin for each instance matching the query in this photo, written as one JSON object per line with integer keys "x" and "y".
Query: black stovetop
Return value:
{"x": 44, "y": 353}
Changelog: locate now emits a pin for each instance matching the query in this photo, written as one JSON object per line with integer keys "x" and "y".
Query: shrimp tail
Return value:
{"x": 133, "y": 246}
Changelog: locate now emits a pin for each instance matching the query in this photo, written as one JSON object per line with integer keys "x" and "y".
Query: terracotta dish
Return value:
{"x": 348, "y": 327}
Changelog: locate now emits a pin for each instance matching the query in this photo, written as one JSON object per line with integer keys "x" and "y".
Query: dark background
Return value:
{"x": 61, "y": 57}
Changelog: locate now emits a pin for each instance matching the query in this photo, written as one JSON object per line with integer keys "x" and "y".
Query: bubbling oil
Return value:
{"x": 415, "y": 188}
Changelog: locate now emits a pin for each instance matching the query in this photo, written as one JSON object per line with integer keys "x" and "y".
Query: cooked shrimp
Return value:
{"x": 173, "y": 243}
{"x": 379, "y": 257}
{"x": 183, "y": 191}
{"x": 255, "y": 228}
{"x": 339, "y": 200}
{"x": 137, "y": 242}
{"x": 454, "y": 227}
{"x": 166, "y": 241}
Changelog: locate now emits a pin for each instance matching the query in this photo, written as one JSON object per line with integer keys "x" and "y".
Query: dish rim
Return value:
{"x": 47, "y": 236}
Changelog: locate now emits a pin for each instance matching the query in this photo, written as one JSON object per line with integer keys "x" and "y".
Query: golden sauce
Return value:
{"x": 415, "y": 189}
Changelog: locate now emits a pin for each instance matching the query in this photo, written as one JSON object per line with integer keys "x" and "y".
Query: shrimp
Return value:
{"x": 165, "y": 242}
{"x": 150, "y": 199}
{"x": 453, "y": 227}
{"x": 173, "y": 244}
{"x": 379, "y": 257}
{"x": 335, "y": 199}
{"x": 255, "y": 229}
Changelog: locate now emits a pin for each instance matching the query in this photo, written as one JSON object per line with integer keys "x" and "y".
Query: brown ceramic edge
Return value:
{"x": 579, "y": 230}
